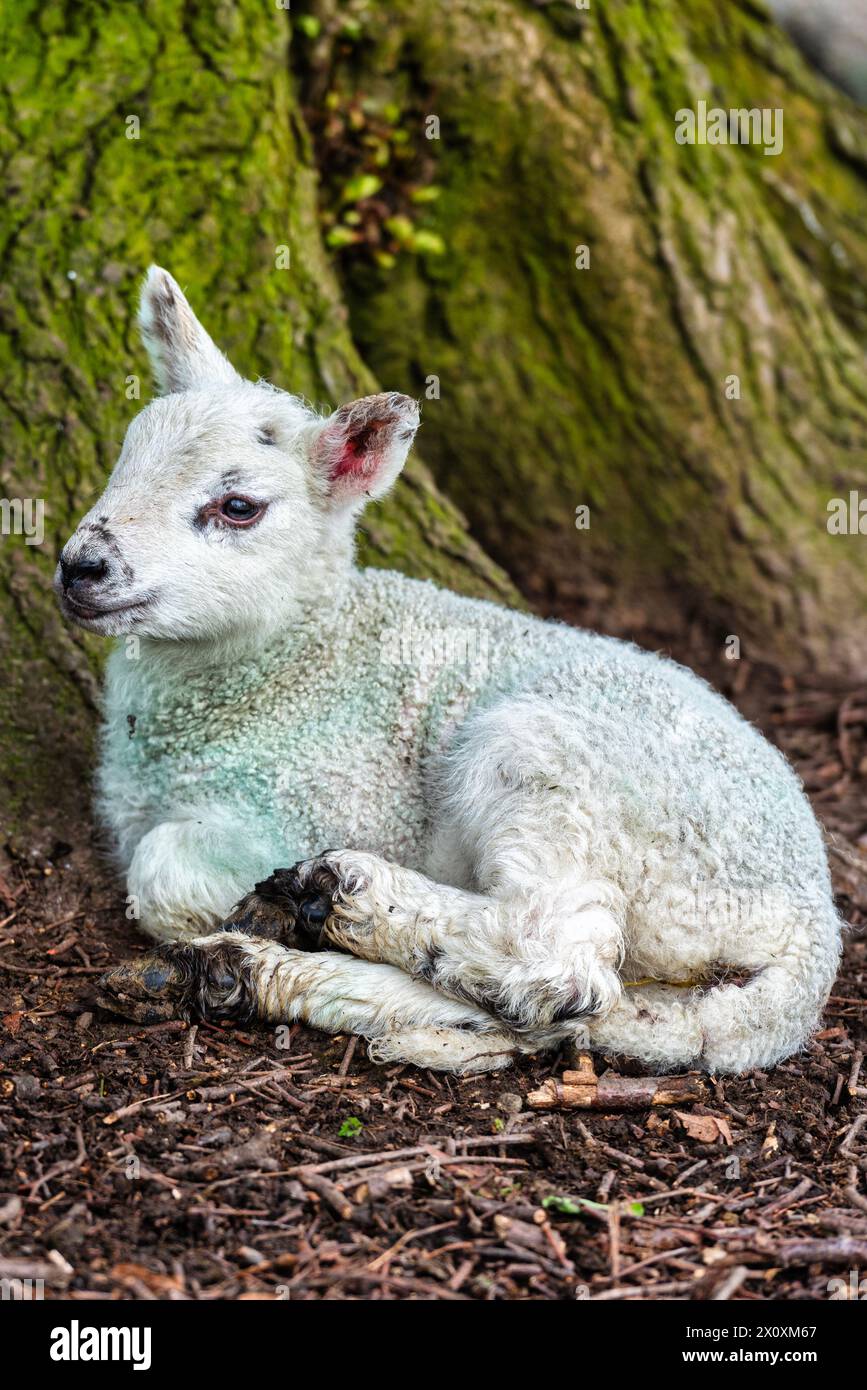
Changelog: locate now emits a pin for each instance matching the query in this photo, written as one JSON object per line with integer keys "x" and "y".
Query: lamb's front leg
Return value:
{"x": 188, "y": 871}
{"x": 244, "y": 978}
{"x": 539, "y": 958}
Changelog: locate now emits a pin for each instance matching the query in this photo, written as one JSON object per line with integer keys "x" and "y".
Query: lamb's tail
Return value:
{"x": 460, "y": 1050}
{"x": 734, "y": 1027}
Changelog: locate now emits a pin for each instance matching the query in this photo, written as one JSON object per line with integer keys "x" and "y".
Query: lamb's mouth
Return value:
{"x": 92, "y": 613}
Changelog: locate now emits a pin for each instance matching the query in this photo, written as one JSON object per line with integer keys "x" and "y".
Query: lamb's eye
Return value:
{"x": 240, "y": 509}
{"x": 233, "y": 511}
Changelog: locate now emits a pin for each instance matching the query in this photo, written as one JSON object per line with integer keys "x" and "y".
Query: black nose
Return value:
{"x": 84, "y": 570}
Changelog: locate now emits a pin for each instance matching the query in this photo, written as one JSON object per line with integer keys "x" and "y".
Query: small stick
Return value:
{"x": 852, "y": 1192}
{"x": 584, "y": 1090}
{"x": 644, "y": 1291}
{"x": 384, "y": 1156}
{"x": 730, "y": 1284}
{"x": 382, "y": 1261}
{"x": 852, "y": 1086}
{"x": 200, "y": 1093}
{"x": 844, "y": 1250}
{"x": 329, "y": 1192}
{"x": 852, "y": 1132}
{"x": 53, "y": 1271}
{"x": 787, "y": 1199}
{"x": 348, "y": 1055}
{"x": 614, "y": 1241}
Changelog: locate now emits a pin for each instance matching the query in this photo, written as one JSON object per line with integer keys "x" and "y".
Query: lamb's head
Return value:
{"x": 232, "y": 503}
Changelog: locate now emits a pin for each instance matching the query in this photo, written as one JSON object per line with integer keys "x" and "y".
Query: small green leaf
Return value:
{"x": 401, "y": 229}
{"x": 309, "y": 25}
{"x": 428, "y": 194}
{"x": 341, "y": 236}
{"x": 572, "y": 1206}
{"x": 362, "y": 186}
{"x": 350, "y": 1128}
{"x": 429, "y": 243}
{"x": 499, "y": 1125}
{"x": 565, "y": 1205}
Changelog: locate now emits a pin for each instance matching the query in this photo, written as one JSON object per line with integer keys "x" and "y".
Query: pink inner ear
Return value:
{"x": 357, "y": 458}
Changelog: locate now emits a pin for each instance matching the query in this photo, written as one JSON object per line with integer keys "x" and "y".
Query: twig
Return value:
{"x": 614, "y": 1240}
{"x": 855, "y": 1072}
{"x": 584, "y": 1090}
{"x": 843, "y": 1250}
{"x": 852, "y": 1132}
{"x": 787, "y": 1199}
{"x": 376, "y": 1160}
{"x": 383, "y": 1260}
{"x": 348, "y": 1055}
{"x": 852, "y": 1190}
{"x": 644, "y": 1291}
{"x": 64, "y": 1166}
{"x": 337, "y": 1200}
{"x": 730, "y": 1284}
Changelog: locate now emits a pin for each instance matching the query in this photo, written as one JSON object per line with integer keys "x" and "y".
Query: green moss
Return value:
{"x": 606, "y": 386}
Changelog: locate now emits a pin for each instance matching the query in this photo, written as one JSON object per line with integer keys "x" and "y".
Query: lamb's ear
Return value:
{"x": 359, "y": 451}
{"x": 181, "y": 353}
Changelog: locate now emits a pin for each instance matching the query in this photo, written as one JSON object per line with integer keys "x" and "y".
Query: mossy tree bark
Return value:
{"x": 559, "y": 387}
{"x": 133, "y": 133}
{"x": 609, "y": 386}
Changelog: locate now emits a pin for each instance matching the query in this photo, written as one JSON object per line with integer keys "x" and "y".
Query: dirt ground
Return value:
{"x": 181, "y": 1162}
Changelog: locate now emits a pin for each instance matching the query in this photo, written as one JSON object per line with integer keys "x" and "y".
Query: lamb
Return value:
{"x": 535, "y": 837}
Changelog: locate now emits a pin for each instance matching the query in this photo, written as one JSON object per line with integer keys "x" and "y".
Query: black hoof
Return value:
{"x": 258, "y": 915}
{"x": 304, "y": 895}
{"x": 179, "y": 981}
{"x": 148, "y": 989}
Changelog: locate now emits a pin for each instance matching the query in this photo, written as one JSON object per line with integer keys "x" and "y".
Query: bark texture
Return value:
{"x": 217, "y": 179}
{"x": 607, "y": 386}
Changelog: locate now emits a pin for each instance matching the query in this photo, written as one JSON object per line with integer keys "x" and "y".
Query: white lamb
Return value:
{"x": 506, "y": 833}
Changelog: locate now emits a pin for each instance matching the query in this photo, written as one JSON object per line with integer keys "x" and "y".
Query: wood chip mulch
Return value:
{"x": 183, "y": 1162}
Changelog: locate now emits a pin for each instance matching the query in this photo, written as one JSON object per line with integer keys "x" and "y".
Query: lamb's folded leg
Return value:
{"x": 232, "y": 975}
{"x": 540, "y": 960}
{"x": 187, "y": 871}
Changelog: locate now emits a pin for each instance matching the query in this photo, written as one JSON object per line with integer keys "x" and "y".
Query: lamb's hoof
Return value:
{"x": 179, "y": 981}
{"x": 148, "y": 989}
{"x": 305, "y": 896}
{"x": 263, "y": 914}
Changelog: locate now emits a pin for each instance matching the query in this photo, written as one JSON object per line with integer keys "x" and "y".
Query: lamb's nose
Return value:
{"x": 84, "y": 570}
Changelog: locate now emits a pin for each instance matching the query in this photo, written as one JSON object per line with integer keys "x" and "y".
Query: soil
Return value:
{"x": 184, "y": 1162}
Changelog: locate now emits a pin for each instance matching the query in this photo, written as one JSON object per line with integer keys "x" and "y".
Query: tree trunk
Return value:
{"x": 700, "y": 386}
{"x": 214, "y": 179}
{"x": 135, "y": 132}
